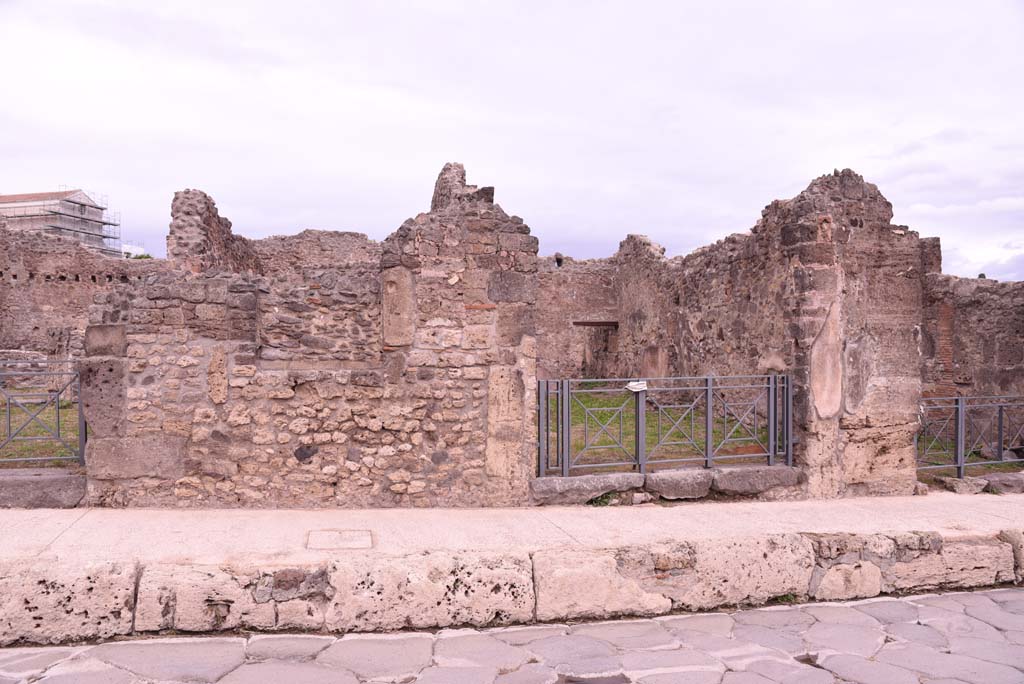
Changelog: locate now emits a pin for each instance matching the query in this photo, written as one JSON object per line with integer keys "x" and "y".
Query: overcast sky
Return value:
{"x": 593, "y": 120}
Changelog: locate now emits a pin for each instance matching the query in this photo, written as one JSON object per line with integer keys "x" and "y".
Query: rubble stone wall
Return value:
{"x": 46, "y": 286}
{"x": 402, "y": 383}
{"x": 973, "y": 341}
{"x": 200, "y": 239}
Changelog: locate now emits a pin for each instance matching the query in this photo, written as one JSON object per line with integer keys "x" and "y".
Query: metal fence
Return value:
{"x": 960, "y": 432}
{"x": 634, "y": 424}
{"x": 40, "y": 414}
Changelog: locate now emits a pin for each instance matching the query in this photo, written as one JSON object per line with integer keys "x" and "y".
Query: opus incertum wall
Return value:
{"x": 326, "y": 369}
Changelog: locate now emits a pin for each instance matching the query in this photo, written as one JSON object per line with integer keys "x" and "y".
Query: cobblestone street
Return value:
{"x": 973, "y": 638}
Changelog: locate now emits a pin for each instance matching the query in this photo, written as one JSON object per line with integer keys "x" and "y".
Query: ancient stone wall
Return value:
{"x": 973, "y": 341}
{"x": 404, "y": 384}
{"x": 199, "y": 238}
{"x": 46, "y": 286}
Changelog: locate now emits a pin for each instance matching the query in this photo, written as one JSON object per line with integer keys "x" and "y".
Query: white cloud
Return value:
{"x": 593, "y": 120}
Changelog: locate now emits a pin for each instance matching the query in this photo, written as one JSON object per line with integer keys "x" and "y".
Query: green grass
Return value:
{"x": 43, "y": 449}
{"x": 689, "y": 436}
{"x": 942, "y": 452}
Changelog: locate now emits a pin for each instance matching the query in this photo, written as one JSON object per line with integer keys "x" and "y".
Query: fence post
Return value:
{"x": 542, "y": 427}
{"x": 709, "y": 423}
{"x": 772, "y": 398}
{"x": 788, "y": 422}
{"x": 640, "y": 406}
{"x": 82, "y": 426}
{"x": 999, "y": 434}
{"x": 565, "y": 394}
{"x": 961, "y": 458}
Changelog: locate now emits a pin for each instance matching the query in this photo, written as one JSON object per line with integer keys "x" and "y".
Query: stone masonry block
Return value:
{"x": 685, "y": 483}
{"x": 103, "y": 395}
{"x": 106, "y": 340}
{"x": 151, "y": 455}
{"x": 582, "y": 488}
{"x": 749, "y": 480}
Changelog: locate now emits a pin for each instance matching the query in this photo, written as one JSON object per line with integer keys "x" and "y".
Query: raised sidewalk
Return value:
{"x": 68, "y": 575}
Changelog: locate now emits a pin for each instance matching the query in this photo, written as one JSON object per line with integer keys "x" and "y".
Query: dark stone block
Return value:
{"x": 106, "y": 340}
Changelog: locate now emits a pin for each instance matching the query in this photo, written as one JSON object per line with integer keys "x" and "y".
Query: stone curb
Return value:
{"x": 47, "y": 602}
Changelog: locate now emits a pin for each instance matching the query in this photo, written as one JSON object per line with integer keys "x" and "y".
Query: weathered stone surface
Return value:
{"x": 959, "y": 564}
{"x": 635, "y": 634}
{"x": 40, "y": 488}
{"x": 478, "y": 650}
{"x": 748, "y": 480}
{"x": 398, "y": 308}
{"x": 151, "y": 455}
{"x": 582, "y": 488}
{"x": 963, "y": 485}
{"x": 390, "y": 658}
{"x": 195, "y": 660}
{"x": 577, "y": 656}
{"x": 88, "y": 671}
{"x": 307, "y": 673}
{"x": 1015, "y": 538}
{"x": 198, "y": 599}
{"x": 689, "y": 483}
{"x": 589, "y": 584}
{"x": 48, "y": 603}
{"x": 862, "y": 579}
{"x": 458, "y": 675}
{"x": 431, "y": 590}
{"x": 291, "y": 646}
{"x": 106, "y": 340}
{"x": 855, "y": 639}
{"x": 934, "y": 663}
{"x": 1005, "y": 483}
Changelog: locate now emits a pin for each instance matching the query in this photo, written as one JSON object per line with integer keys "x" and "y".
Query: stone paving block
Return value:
{"x": 517, "y": 636}
{"x": 778, "y": 639}
{"x": 950, "y": 623}
{"x": 1005, "y": 483}
{"x": 457, "y": 675}
{"x": 934, "y": 663}
{"x": 788, "y": 619}
{"x": 791, "y": 672}
{"x": 285, "y": 673}
{"x": 683, "y": 678}
{"x": 386, "y": 657}
{"x": 713, "y": 623}
{"x": 290, "y": 646}
{"x": 577, "y": 655}
{"x": 680, "y": 662}
{"x": 478, "y": 650}
{"x": 996, "y": 616}
{"x": 40, "y": 488}
{"x": 919, "y": 634}
{"x": 749, "y": 480}
{"x": 745, "y": 678}
{"x": 529, "y": 674}
{"x": 845, "y": 638}
{"x": 88, "y": 671}
{"x": 986, "y": 649}
{"x": 888, "y": 611}
{"x": 189, "y": 659}
{"x": 630, "y": 634}
{"x": 851, "y": 668}
{"x": 582, "y": 488}
{"x": 373, "y": 593}
{"x": 840, "y": 615}
{"x": 22, "y": 662}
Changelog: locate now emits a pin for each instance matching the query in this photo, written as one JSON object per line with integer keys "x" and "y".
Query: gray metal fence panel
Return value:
{"x": 961, "y": 432}
{"x": 40, "y": 403}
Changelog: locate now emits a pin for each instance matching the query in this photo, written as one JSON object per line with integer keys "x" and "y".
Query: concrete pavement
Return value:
{"x": 966, "y": 638}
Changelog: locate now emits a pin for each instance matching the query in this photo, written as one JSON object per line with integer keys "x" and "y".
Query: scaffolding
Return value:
{"x": 73, "y": 214}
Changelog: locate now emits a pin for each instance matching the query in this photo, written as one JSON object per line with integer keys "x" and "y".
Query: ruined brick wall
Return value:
{"x": 280, "y": 255}
{"x": 973, "y": 342}
{"x": 823, "y": 287}
{"x": 407, "y": 383}
{"x": 46, "y": 286}
{"x": 200, "y": 239}
{"x": 574, "y": 301}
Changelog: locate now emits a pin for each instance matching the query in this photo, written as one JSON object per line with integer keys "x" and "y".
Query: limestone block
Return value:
{"x": 588, "y": 584}
{"x": 688, "y": 483}
{"x": 748, "y": 480}
{"x": 45, "y": 602}
{"x": 430, "y": 590}
{"x": 1015, "y": 538}
{"x": 957, "y": 565}
{"x": 847, "y": 581}
{"x": 581, "y": 489}
{"x": 103, "y": 396}
{"x": 1005, "y": 483}
{"x": 511, "y": 286}
{"x": 733, "y": 571}
{"x": 149, "y": 455}
{"x": 398, "y": 319}
{"x": 217, "y": 376}
{"x": 826, "y": 371}
{"x": 40, "y": 488}
{"x": 106, "y": 340}
{"x": 966, "y": 485}
{"x": 198, "y": 599}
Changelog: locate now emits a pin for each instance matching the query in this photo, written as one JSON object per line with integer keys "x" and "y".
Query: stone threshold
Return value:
{"x": 68, "y": 598}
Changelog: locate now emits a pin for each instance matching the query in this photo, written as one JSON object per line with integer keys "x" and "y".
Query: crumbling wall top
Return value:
{"x": 451, "y": 189}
